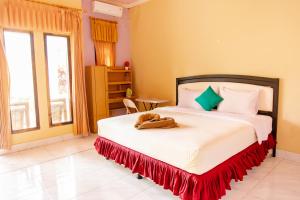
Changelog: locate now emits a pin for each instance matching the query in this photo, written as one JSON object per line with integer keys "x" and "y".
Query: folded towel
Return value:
{"x": 151, "y": 120}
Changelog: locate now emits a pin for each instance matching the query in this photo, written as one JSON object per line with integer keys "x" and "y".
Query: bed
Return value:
{"x": 198, "y": 159}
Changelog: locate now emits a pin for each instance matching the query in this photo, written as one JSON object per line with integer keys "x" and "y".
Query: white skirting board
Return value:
{"x": 37, "y": 143}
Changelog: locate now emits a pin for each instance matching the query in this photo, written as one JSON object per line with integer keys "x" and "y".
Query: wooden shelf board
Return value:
{"x": 118, "y": 71}
{"x": 116, "y": 100}
{"x": 116, "y": 91}
{"x": 115, "y": 109}
{"x": 119, "y": 83}
{"x": 119, "y": 99}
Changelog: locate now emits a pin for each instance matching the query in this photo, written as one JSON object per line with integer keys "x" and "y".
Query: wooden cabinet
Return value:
{"x": 106, "y": 88}
{"x": 96, "y": 95}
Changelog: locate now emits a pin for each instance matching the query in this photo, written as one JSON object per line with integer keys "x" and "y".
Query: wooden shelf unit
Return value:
{"x": 106, "y": 89}
{"x": 118, "y": 80}
{"x": 96, "y": 95}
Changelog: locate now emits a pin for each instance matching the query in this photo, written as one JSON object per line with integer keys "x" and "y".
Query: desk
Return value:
{"x": 153, "y": 102}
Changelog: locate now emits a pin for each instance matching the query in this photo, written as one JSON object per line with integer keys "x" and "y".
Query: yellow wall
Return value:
{"x": 174, "y": 38}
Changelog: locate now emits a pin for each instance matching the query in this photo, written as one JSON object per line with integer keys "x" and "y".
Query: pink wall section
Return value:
{"x": 123, "y": 45}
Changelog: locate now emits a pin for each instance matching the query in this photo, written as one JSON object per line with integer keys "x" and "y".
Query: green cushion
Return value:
{"x": 209, "y": 99}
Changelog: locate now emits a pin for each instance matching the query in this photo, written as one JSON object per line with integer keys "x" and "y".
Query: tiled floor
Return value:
{"x": 73, "y": 170}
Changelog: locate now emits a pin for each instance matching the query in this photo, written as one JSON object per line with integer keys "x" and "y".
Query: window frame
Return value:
{"x": 47, "y": 79}
{"x": 34, "y": 81}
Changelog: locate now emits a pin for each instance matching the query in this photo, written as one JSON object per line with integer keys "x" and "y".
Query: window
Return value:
{"x": 58, "y": 62}
{"x": 23, "y": 101}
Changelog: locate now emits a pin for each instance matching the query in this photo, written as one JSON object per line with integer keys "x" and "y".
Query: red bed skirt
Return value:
{"x": 211, "y": 185}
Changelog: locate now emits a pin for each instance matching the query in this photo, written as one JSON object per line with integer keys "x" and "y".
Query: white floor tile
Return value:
{"x": 283, "y": 182}
{"x": 155, "y": 192}
{"x": 234, "y": 194}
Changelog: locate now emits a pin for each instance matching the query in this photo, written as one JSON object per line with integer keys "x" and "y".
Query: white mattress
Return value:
{"x": 202, "y": 141}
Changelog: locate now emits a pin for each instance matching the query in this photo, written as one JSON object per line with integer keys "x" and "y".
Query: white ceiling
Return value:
{"x": 125, "y": 3}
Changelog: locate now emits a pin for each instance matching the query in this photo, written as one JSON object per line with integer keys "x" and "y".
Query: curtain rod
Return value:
{"x": 55, "y": 5}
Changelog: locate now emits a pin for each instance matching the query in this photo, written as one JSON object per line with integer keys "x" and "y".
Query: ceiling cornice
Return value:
{"x": 124, "y": 5}
{"x": 112, "y": 2}
{"x": 131, "y": 5}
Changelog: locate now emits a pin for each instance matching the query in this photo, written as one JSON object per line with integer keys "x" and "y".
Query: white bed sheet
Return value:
{"x": 202, "y": 141}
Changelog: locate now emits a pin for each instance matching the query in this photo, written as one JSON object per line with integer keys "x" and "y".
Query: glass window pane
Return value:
{"x": 57, "y": 53}
{"x": 18, "y": 47}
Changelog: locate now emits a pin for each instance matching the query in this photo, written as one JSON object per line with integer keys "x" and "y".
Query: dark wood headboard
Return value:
{"x": 253, "y": 80}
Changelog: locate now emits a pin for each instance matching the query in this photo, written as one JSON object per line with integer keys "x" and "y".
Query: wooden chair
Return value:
{"x": 130, "y": 105}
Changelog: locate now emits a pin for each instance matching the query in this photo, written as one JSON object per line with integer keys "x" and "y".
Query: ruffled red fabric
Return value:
{"x": 211, "y": 185}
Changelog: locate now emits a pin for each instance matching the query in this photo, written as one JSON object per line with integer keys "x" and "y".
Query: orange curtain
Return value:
{"x": 35, "y": 16}
{"x": 105, "y": 35}
{"x": 102, "y": 30}
{"x": 5, "y": 128}
{"x": 105, "y": 53}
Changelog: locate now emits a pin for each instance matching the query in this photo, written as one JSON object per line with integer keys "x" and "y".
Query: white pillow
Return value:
{"x": 186, "y": 98}
{"x": 239, "y": 101}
